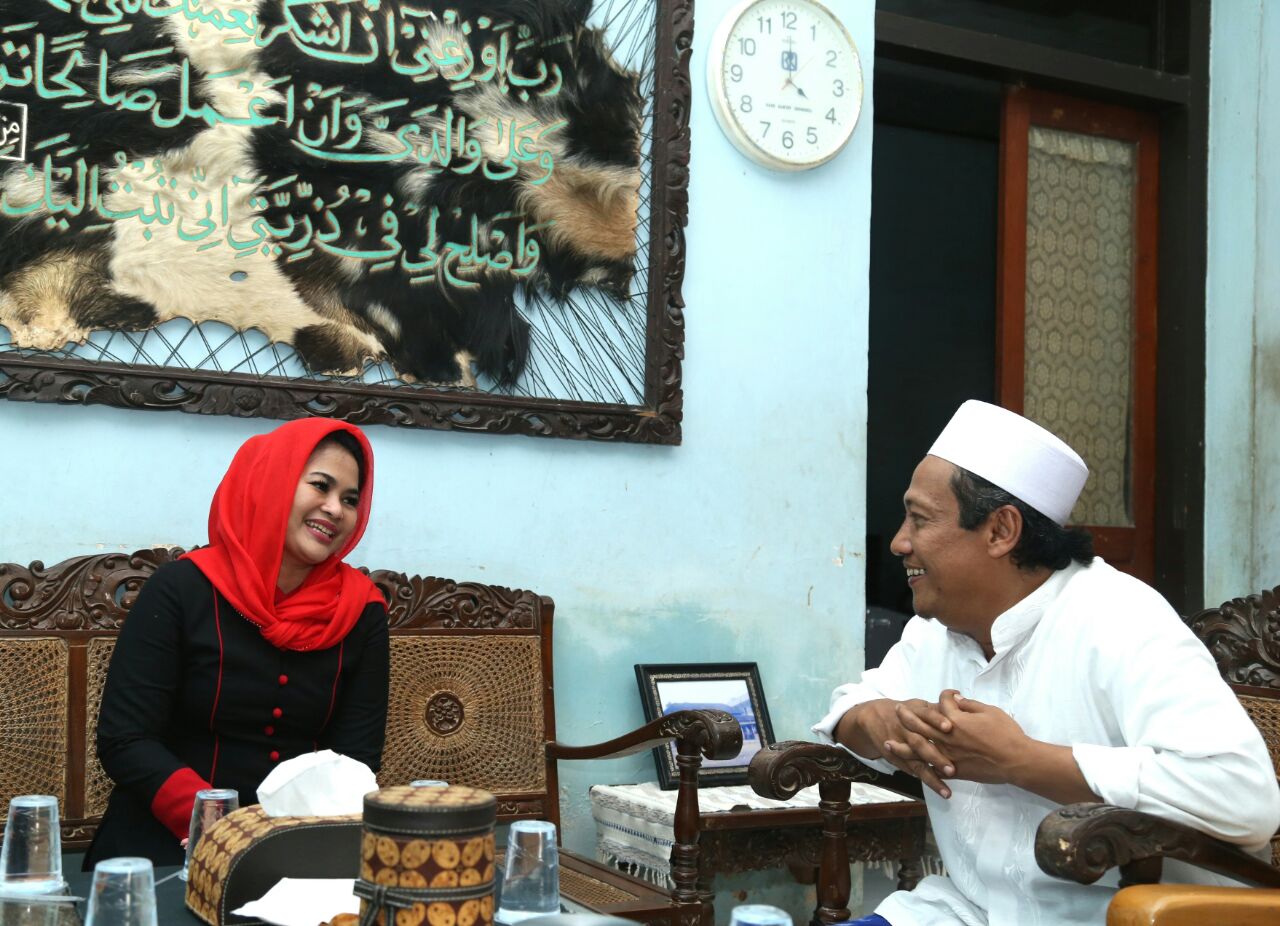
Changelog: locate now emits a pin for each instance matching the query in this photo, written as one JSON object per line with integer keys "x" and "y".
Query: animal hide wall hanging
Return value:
{"x": 412, "y": 211}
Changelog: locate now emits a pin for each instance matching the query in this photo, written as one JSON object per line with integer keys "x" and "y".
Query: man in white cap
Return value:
{"x": 1035, "y": 675}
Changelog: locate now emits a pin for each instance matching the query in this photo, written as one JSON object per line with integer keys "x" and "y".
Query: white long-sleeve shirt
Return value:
{"x": 1094, "y": 660}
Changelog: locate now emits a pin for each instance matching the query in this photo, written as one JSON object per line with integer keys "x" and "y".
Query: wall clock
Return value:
{"x": 785, "y": 82}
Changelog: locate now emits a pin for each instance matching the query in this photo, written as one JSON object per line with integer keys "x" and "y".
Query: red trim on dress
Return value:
{"x": 333, "y": 698}
{"x": 173, "y": 802}
{"x": 217, "y": 691}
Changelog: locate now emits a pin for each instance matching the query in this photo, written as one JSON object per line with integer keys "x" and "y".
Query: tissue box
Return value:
{"x": 427, "y": 856}
{"x": 244, "y": 854}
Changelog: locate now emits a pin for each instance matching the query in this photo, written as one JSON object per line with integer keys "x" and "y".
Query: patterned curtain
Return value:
{"x": 1080, "y": 256}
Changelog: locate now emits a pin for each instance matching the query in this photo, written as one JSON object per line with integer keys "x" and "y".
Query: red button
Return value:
{"x": 284, "y": 680}
{"x": 270, "y": 731}
{"x": 275, "y": 756}
{"x": 277, "y": 713}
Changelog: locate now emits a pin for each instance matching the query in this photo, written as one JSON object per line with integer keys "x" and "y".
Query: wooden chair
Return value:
{"x": 1081, "y": 842}
{"x": 472, "y": 702}
{"x": 781, "y": 770}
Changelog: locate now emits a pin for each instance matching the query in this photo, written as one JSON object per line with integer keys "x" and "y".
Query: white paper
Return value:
{"x": 316, "y": 784}
{"x": 304, "y": 901}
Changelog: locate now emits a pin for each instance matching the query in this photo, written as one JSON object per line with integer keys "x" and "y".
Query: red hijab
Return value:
{"x": 247, "y": 523}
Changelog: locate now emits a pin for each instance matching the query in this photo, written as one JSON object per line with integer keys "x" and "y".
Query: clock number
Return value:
{"x": 766, "y": 128}
{"x": 745, "y": 104}
{"x": 788, "y": 20}
{"x": 735, "y": 73}
{"x": 766, "y": 25}
{"x": 831, "y": 58}
{"x": 814, "y": 30}
{"x": 811, "y": 136}
{"x": 831, "y": 115}
{"x": 787, "y": 140}
{"x": 747, "y": 46}
{"x": 837, "y": 88}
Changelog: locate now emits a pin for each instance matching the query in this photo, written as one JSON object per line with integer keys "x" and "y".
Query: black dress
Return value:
{"x": 194, "y": 685}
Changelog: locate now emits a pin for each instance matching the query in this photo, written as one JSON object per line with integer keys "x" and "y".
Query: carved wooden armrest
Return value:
{"x": 1081, "y": 842}
{"x": 697, "y": 733}
{"x": 781, "y": 770}
{"x": 713, "y": 734}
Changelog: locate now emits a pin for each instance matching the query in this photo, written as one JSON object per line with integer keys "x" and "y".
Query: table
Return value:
{"x": 171, "y": 905}
{"x": 748, "y": 833}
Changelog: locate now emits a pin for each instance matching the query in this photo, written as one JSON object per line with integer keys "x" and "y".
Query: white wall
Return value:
{"x": 743, "y": 544}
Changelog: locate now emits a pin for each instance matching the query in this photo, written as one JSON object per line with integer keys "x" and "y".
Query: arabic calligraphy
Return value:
{"x": 143, "y": 192}
{"x": 416, "y": 42}
{"x": 329, "y": 123}
{"x": 13, "y": 131}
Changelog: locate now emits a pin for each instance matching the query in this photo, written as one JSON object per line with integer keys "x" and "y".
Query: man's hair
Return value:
{"x": 1043, "y": 542}
{"x": 347, "y": 442}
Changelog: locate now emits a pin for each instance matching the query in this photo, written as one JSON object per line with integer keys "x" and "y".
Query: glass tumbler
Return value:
{"x": 759, "y": 914}
{"x": 212, "y": 804}
{"x": 531, "y": 879}
{"x": 31, "y": 857}
{"x": 123, "y": 893}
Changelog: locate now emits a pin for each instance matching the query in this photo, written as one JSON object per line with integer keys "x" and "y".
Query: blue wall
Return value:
{"x": 745, "y": 543}
{"x": 1242, "y": 389}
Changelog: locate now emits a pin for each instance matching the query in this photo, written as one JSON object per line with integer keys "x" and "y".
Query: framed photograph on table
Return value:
{"x": 733, "y": 687}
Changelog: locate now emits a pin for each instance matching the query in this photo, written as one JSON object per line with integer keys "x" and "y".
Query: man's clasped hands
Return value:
{"x": 956, "y": 737}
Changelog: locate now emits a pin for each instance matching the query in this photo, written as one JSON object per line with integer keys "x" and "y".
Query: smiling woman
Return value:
{"x": 256, "y": 648}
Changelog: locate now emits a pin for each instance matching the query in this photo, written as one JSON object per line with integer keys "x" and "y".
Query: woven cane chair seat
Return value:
{"x": 1265, "y": 713}
{"x": 97, "y": 786}
{"x": 466, "y": 709}
{"x": 33, "y": 717}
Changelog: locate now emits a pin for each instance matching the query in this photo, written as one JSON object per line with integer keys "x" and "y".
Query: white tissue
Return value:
{"x": 317, "y": 784}
{"x": 304, "y": 901}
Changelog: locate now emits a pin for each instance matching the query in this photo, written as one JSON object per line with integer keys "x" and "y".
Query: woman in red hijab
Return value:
{"x": 254, "y": 649}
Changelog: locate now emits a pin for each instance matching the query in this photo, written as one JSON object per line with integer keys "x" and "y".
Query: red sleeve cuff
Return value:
{"x": 173, "y": 802}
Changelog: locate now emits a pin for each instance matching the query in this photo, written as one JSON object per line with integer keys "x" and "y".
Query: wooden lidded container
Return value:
{"x": 427, "y": 856}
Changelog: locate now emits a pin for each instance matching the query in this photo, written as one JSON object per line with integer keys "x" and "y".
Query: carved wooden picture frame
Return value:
{"x": 733, "y": 687}
{"x": 647, "y": 410}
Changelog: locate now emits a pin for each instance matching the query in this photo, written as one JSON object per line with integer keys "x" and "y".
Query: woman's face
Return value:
{"x": 324, "y": 507}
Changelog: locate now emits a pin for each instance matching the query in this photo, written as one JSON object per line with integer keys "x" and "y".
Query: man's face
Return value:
{"x": 947, "y": 566}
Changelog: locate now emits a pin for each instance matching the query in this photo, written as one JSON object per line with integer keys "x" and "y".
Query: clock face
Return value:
{"x": 785, "y": 82}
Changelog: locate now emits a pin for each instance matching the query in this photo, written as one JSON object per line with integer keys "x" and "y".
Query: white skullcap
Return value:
{"x": 1015, "y": 454}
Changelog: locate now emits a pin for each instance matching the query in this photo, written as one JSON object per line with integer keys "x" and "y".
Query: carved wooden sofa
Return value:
{"x": 1081, "y": 842}
{"x": 471, "y": 702}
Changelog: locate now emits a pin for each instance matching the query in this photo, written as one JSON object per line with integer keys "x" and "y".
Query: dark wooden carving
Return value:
{"x": 85, "y": 593}
{"x": 34, "y": 378}
{"x": 697, "y": 733}
{"x": 1243, "y": 635}
{"x": 426, "y": 601}
{"x": 1081, "y": 842}
{"x": 782, "y": 770}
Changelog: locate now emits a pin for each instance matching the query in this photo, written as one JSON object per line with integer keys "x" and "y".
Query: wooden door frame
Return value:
{"x": 1129, "y": 548}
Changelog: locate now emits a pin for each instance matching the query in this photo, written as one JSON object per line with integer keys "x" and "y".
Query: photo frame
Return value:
{"x": 599, "y": 359}
{"x": 733, "y": 687}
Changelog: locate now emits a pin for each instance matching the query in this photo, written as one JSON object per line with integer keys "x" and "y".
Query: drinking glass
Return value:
{"x": 531, "y": 879}
{"x": 123, "y": 893}
{"x": 758, "y": 914}
{"x": 212, "y": 804}
{"x": 31, "y": 857}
